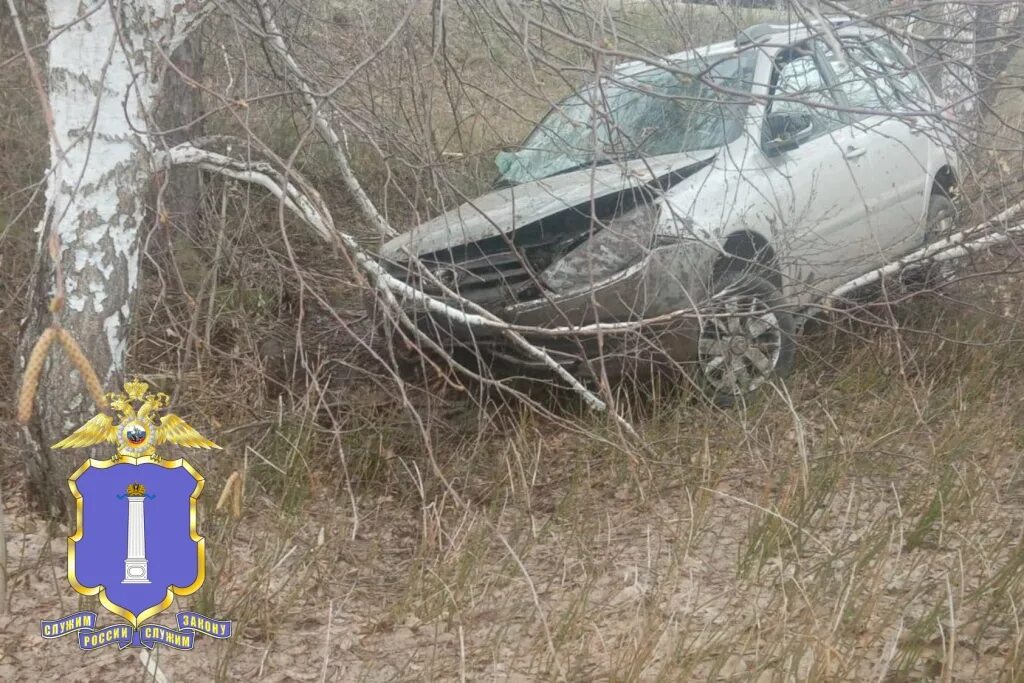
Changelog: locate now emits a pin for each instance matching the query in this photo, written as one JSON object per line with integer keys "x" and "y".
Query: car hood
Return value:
{"x": 509, "y": 209}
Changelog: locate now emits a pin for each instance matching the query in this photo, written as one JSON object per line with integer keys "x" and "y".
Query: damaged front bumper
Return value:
{"x": 579, "y": 249}
{"x": 593, "y": 329}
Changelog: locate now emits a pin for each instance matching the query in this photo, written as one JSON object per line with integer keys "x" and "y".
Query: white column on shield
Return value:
{"x": 136, "y": 566}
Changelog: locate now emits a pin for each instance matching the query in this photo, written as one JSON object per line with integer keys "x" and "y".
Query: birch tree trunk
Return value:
{"x": 102, "y": 57}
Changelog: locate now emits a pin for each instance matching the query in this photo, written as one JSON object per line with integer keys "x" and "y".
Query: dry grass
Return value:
{"x": 874, "y": 538}
{"x": 868, "y": 531}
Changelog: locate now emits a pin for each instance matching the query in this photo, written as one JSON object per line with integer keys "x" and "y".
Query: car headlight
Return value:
{"x": 623, "y": 241}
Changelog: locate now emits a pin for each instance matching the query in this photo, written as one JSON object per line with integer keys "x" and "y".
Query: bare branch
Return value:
{"x": 312, "y": 211}
{"x": 315, "y": 110}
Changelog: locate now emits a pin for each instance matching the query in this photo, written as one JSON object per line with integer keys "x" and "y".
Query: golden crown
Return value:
{"x": 136, "y": 489}
{"x": 135, "y": 389}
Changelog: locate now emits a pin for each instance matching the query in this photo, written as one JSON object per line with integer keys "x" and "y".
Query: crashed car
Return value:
{"x": 689, "y": 210}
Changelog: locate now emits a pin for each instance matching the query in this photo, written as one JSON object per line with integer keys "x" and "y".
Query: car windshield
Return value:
{"x": 623, "y": 117}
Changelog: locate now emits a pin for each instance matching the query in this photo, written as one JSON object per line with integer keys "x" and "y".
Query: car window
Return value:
{"x": 906, "y": 78}
{"x": 633, "y": 115}
{"x": 801, "y": 88}
{"x": 863, "y": 79}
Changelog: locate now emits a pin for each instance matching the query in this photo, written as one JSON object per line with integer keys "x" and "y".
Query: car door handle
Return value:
{"x": 854, "y": 152}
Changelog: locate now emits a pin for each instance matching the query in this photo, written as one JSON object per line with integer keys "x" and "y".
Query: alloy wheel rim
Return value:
{"x": 740, "y": 344}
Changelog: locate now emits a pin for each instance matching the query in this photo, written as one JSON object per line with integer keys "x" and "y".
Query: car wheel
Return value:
{"x": 746, "y": 337}
{"x": 941, "y": 223}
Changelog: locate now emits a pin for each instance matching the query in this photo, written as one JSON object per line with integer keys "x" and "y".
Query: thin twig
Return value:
{"x": 3, "y": 556}
{"x": 536, "y": 601}
{"x": 323, "y": 126}
{"x": 148, "y": 658}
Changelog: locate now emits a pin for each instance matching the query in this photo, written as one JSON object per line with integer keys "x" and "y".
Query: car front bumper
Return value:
{"x": 593, "y": 329}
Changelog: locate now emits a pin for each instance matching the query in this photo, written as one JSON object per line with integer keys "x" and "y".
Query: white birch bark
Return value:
{"x": 104, "y": 59}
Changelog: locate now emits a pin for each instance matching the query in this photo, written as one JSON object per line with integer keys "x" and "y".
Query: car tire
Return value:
{"x": 940, "y": 223}
{"x": 746, "y": 338}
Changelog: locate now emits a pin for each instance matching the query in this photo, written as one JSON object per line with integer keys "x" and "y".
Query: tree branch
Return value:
{"x": 308, "y": 206}
{"x": 299, "y": 81}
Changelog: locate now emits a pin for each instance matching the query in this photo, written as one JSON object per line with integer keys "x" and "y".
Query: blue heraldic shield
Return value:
{"x": 136, "y": 544}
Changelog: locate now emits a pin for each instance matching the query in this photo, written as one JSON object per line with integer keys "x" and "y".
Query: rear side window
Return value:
{"x": 909, "y": 82}
{"x": 863, "y": 79}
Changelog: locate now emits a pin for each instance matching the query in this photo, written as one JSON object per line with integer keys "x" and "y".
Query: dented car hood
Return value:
{"x": 506, "y": 210}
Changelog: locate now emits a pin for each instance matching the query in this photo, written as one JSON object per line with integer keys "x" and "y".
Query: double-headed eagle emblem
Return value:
{"x": 136, "y": 435}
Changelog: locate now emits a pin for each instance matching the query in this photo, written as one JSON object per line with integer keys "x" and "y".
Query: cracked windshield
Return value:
{"x": 692, "y": 105}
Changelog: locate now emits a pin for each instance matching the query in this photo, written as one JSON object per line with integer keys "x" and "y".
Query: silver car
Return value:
{"x": 708, "y": 199}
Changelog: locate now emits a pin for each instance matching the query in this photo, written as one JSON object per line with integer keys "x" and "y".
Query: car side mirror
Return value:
{"x": 784, "y": 132}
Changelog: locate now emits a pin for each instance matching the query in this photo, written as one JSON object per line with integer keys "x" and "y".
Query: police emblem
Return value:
{"x": 135, "y": 544}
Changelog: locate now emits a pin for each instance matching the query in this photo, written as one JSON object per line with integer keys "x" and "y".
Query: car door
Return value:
{"x": 936, "y": 141}
{"x": 818, "y": 231}
{"x": 887, "y": 156}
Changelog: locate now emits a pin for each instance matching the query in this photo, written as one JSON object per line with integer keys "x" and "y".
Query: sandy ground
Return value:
{"x": 602, "y": 586}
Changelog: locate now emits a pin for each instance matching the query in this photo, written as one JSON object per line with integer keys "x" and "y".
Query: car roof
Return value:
{"x": 765, "y": 33}
{"x": 706, "y": 52}
{"x": 786, "y": 33}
